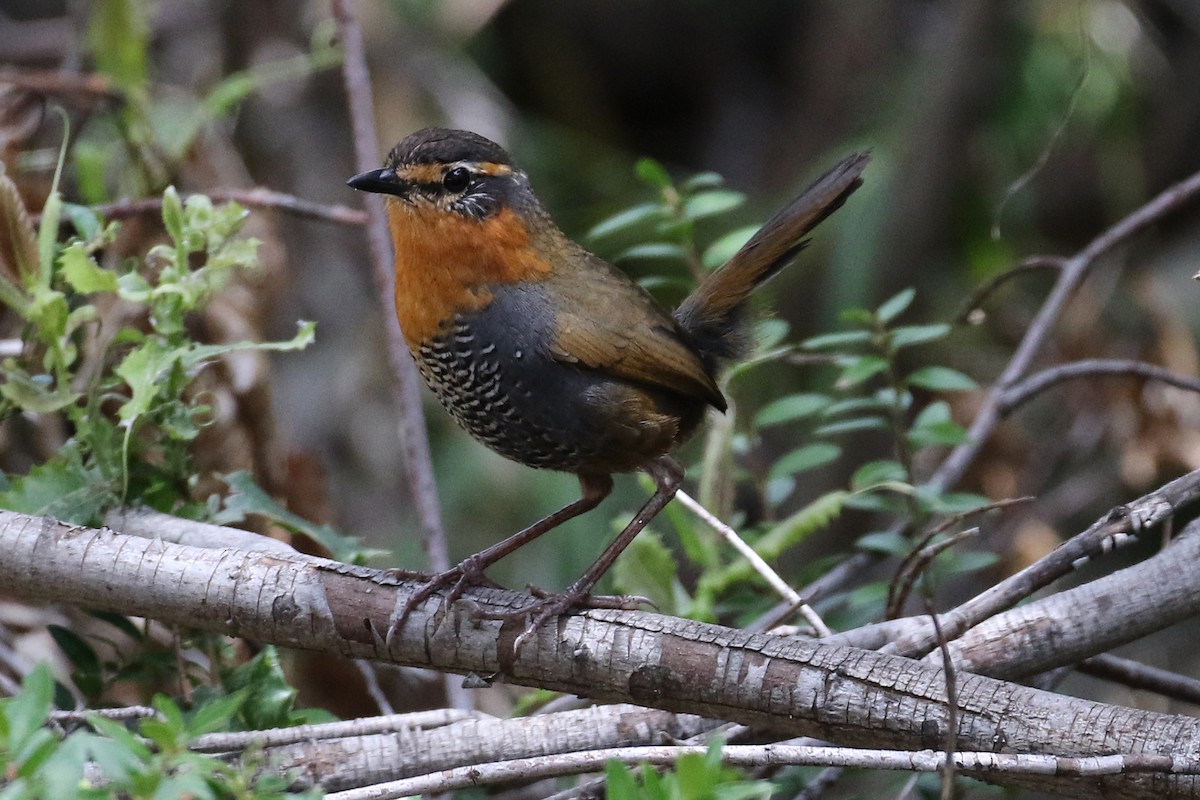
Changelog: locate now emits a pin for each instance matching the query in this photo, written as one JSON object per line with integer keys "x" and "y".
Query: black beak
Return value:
{"x": 383, "y": 181}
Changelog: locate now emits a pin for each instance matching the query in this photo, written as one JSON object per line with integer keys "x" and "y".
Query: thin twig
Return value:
{"x": 59, "y": 82}
{"x": 951, "y": 702}
{"x": 1072, "y": 274}
{"x": 756, "y": 561}
{"x": 914, "y": 565}
{"x": 365, "y": 726}
{"x": 967, "y": 311}
{"x": 1089, "y": 368}
{"x": 1115, "y": 529}
{"x": 1143, "y": 676}
{"x": 413, "y": 439}
{"x": 763, "y": 755}
{"x": 257, "y": 197}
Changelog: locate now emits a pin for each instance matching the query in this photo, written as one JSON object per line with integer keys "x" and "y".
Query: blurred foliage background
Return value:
{"x": 998, "y": 131}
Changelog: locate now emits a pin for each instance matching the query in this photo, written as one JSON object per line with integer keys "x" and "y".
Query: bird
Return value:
{"x": 548, "y": 354}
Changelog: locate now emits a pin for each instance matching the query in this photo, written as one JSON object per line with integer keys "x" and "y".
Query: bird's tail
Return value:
{"x": 714, "y": 314}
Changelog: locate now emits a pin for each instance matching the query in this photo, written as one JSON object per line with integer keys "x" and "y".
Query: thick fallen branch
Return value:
{"x": 847, "y": 696}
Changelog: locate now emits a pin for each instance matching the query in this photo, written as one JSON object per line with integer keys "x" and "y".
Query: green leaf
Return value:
{"x": 876, "y": 472}
{"x": 83, "y": 273}
{"x": 941, "y": 379}
{"x": 937, "y": 411}
{"x": 895, "y": 305}
{"x": 61, "y": 487}
{"x": 859, "y": 369}
{"x": 145, "y": 369}
{"x": 854, "y": 405}
{"x": 202, "y": 353}
{"x": 851, "y": 425}
{"x": 702, "y": 180}
{"x": 173, "y": 219}
{"x": 884, "y": 542}
{"x": 665, "y": 250}
{"x": 626, "y": 219}
{"x": 652, "y": 173}
{"x": 217, "y": 713}
{"x": 910, "y": 335}
{"x": 726, "y": 246}
{"x": 34, "y": 393}
{"x": 86, "y": 221}
{"x": 247, "y": 497}
{"x": 804, "y": 458}
{"x": 710, "y": 203}
{"x": 118, "y": 31}
{"x": 267, "y": 699}
{"x": 768, "y": 332}
{"x": 956, "y": 502}
{"x": 78, "y": 652}
{"x": 840, "y": 339}
{"x": 619, "y": 782}
{"x": 790, "y": 408}
{"x": 938, "y": 433}
{"x": 27, "y": 711}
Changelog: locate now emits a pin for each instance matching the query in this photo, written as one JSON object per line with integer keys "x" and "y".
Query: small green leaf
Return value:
{"x": 804, "y": 458}
{"x": 34, "y": 393}
{"x": 941, "y": 379}
{"x": 628, "y": 218}
{"x": 83, "y": 273}
{"x": 840, "y": 339}
{"x": 938, "y": 433}
{"x": 884, "y": 542}
{"x": 938, "y": 411}
{"x": 247, "y": 497}
{"x": 851, "y": 425}
{"x": 702, "y": 180}
{"x": 710, "y": 203}
{"x": 78, "y": 652}
{"x": 790, "y": 408}
{"x": 27, "y": 711}
{"x": 652, "y": 173}
{"x": 910, "y": 335}
{"x": 724, "y": 247}
{"x": 857, "y": 370}
{"x": 854, "y": 405}
{"x": 874, "y": 473}
{"x": 769, "y": 332}
{"x": 172, "y": 214}
{"x": 652, "y": 250}
{"x": 85, "y": 220}
{"x": 895, "y": 305}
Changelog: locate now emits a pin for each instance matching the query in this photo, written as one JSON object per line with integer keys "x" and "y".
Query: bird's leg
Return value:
{"x": 667, "y": 475}
{"x": 470, "y": 571}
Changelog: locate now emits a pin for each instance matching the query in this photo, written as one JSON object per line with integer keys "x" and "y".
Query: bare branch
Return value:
{"x": 1143, "y": 677}
{"x": 257, "y": 197}
{"x": 1113, "y": 530}
{"x": 1039, "y": 382}
{"x": 793, "y": 687}
{"x": 985, "y": 764}
{"x": 413, "y": 438}
{"x": 1072, "y": 274}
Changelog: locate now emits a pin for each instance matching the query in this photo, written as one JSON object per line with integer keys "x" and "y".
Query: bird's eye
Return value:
{"x": 457, "y": 179}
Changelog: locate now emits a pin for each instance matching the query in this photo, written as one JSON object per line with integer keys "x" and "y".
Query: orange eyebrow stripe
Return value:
{"x": 433, "y": 173}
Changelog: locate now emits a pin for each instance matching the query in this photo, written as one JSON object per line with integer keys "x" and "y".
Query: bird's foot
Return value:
{"x": 468, "y": 573}
{"x": 551, "y": 605}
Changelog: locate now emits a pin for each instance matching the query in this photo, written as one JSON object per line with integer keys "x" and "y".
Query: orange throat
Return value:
{"x": 445, "y": 264}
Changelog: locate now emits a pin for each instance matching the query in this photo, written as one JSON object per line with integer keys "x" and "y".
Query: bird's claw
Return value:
{"x": 459, "y": 578}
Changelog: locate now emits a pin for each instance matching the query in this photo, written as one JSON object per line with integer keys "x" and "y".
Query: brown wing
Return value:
{"x": 610, "y": 324}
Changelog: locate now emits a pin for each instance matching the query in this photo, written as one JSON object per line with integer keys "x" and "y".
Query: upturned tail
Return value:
{"x": 715, "y": 313}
